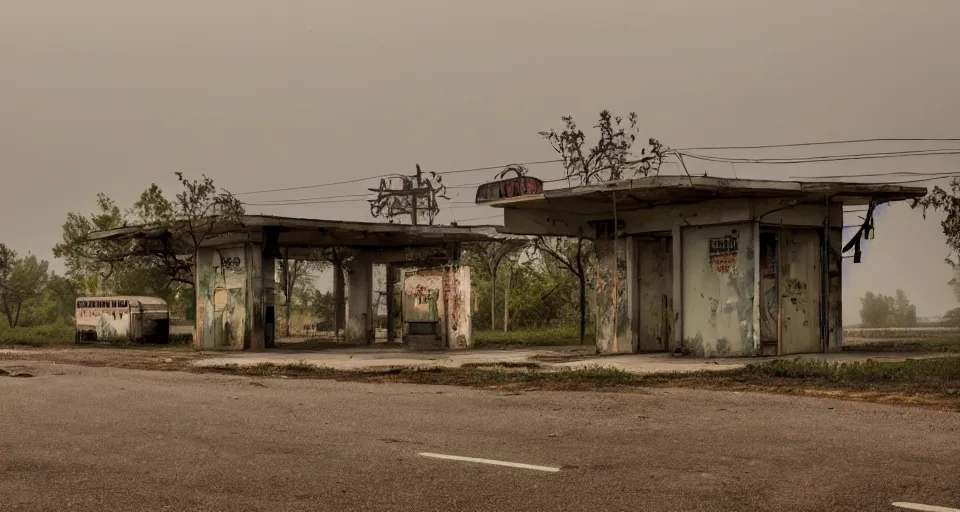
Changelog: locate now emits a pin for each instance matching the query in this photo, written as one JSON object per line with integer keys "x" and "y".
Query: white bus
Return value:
{"x": 122, "y": 318}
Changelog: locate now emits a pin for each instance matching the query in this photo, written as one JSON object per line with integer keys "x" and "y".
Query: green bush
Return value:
{"x": 41, "y": 335}
{"x": 551, "y": 336}
{"x": 945, "y": 369}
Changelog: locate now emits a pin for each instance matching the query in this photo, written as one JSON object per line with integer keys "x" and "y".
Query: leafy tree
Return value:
{"x": 62, "y": 292}
{"x": 21, "y": 279}
{"x": 321, "y": 305}
{"x": 191, "y": 219}
{"x": 489, "y": 256}
{"x": 611, "y": 157}
{"x": 160, "y": 267}
{"x": 878, "y": 310}
{"x": 293, "y": 274}
{"x": 91, "y": 264}
{"x": 952, "y": 318}
{"x": 570, "y": 255}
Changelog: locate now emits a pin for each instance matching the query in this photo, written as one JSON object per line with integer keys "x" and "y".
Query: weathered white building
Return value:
{"x": 121, "y": 318}
{"x": 708, "y": 266}
{"x": 236, "y": 282}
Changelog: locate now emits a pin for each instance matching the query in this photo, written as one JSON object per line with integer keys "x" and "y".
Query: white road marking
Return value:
{"x": 489, "y": 461}
{"x": 924, "y": 508}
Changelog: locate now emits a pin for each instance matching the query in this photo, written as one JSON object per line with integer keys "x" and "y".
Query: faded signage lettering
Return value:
{"x": 723, "y": 254}
{"x": 231, "y": 264}
{"x": 505, "y": 189}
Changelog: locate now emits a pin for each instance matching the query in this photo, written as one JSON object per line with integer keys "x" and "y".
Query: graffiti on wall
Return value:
{"x": 422, "y": 290}
{"x": 505, "y": 189}
{"x": 613, "y": 316}
{"x": 723, "y": 254}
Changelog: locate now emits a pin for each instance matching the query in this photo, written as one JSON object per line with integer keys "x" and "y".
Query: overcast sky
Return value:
{"x": 111, "y": 95}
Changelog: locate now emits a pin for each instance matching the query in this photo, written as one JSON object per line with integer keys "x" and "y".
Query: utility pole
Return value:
{"x": 414, "y": 195}
{"x": 414, "y": 198}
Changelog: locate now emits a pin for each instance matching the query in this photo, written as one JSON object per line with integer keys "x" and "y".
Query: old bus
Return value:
{"x": 122, "y": 319}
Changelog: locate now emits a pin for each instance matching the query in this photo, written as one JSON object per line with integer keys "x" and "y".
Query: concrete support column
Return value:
{"x": 360, "y": 299}
{"x": 230, "y": 298}
{"x": 391, "y": 302}
{"x": 254, "y": 338}
{"x": 677, "y": 240}
{"x": 616, "y": 292}
{"x": 270, "y": 253}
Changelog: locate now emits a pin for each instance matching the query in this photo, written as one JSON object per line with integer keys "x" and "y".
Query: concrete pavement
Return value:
{"x": 359, "y": 358}
{"x": 92, "y": 439}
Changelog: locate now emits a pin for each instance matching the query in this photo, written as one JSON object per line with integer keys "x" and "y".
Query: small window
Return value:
{"x": 113, "y": 303}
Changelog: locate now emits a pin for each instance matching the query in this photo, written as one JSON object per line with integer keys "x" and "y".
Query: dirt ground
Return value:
{"x": 84, "y": 438}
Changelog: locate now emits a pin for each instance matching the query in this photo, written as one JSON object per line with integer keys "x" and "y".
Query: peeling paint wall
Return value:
{"x": 656, "y": 294}
{"x": 616, "y": 332}
{"x": 718, "y": 290}
{"x": 441, "y": 295}
{"x": 457, "y": 295}
{"x": 713, "y": 311}
{"x": 360, "y": 319}
{"x": 221, "y": 298}
{"x": 835, "y": 299}
{"x": 665, "y": 218}
{"x": 110, "y": 323}
{"x": 422, "y": 289}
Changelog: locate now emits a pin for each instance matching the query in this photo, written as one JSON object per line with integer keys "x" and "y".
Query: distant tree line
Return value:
{"x": 879, "y": 310}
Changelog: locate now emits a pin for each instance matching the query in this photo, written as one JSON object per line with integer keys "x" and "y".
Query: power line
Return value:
{"x": 382, "y": 176}
{"x": 330, "y": 184}
{"x": 294, "y": 200}
{"x": 494, "y": 167}
{"x": 822, "y": 143}
{"x": 479, "y": 218}
{"x": 919, "y": 180}
{"x": 826, "y": 158}
{"x": 877, "y": 174}
{"x": 295, "y": 203}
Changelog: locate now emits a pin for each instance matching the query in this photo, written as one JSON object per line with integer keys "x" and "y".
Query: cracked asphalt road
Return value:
{"x": 93, "y": 439}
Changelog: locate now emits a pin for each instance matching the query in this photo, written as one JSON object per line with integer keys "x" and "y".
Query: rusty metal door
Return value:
{"x": 655, "y": 259}
{"x": 800, "y": 291}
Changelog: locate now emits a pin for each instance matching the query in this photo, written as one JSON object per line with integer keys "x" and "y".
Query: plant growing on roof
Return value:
{"x": 611, "y": 157}
{"x": 189, "y": 220}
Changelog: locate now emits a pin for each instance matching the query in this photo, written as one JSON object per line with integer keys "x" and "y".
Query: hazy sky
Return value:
{"x": 111, "y": 95}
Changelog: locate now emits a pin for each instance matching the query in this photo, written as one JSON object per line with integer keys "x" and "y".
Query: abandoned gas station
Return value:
{"x": 236, "y": 283}
{"x": 702, "y": 265}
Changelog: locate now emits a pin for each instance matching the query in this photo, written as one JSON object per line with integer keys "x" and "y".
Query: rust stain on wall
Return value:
{"x": 440, "y": 295}
{"x": 505, "y": 189}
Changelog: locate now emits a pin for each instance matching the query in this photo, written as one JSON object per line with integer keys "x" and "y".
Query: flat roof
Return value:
{"x": 300, "y": 233}
{"x": 664, "y": 190}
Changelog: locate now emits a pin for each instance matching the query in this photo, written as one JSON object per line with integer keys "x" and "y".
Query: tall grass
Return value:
{"x": 38, "y": 336}
{"x": 548, "y": 336}
{"x": 935, "y": 371}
